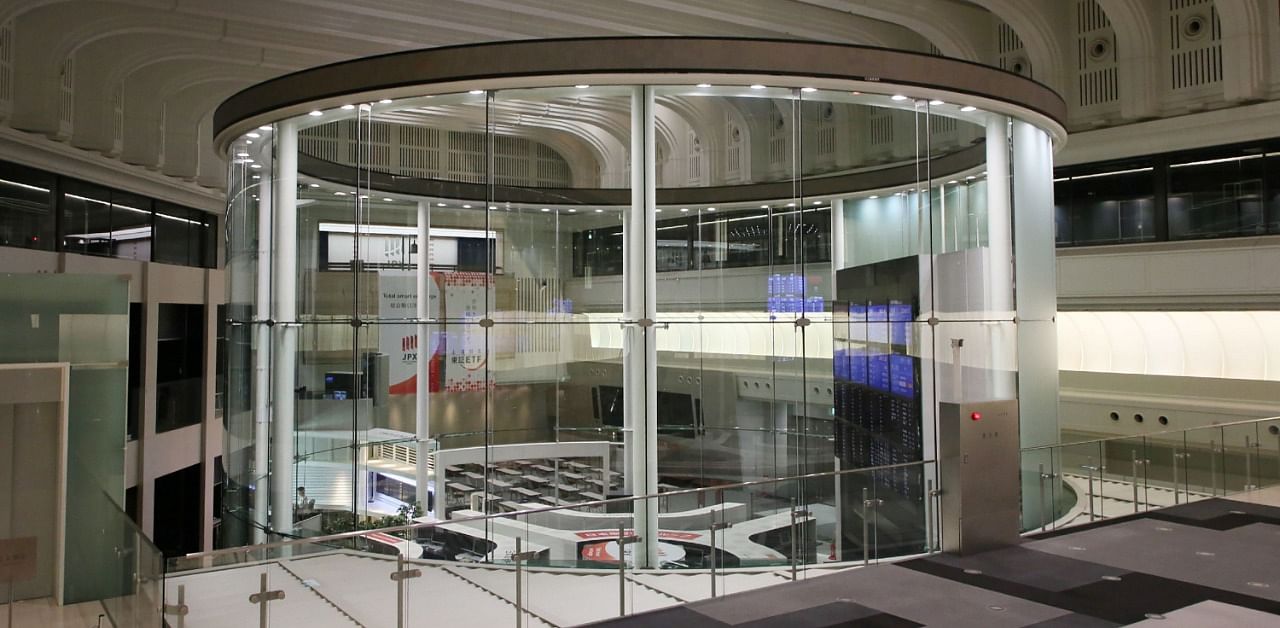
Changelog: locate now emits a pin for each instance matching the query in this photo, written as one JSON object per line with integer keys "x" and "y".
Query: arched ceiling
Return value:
{"x": 134, "y": 81}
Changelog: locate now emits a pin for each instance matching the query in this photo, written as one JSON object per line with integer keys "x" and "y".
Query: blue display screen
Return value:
{"x": 878, "y": 372}
{"x": 903, "y": 375}
{"x": 857, "y": 366}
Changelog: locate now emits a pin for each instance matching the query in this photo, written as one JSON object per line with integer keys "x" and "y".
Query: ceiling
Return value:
{"x": 132, "y": 84}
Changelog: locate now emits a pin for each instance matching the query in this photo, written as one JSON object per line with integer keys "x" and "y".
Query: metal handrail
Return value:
{"x": 1149, "y": 434}
{"x": 354, "y": 534}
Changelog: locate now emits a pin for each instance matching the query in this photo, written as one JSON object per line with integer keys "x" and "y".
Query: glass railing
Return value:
{"x": 128, "y": 569}
{"x": 507, "y": 562}
{"x": 1075, "y": 483}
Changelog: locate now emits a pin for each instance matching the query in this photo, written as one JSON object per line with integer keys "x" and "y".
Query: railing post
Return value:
{"x": 1135, "y": 480}
{"x": 1091, "y": 468}
{"x": 1213, "y": 468}
{"x": 519, "y": 557}
{"x": 262, "y": 597}
{"x": 623, "y": 542}
{"x": 715, "y": 526}
{"x": 1177, "y": 490}
{"x": 796, "y": 542}
{"x": 1248, "y": 465}
{"x": 866, "y": 540}
{"x": 399, "y": 576}
{"x": 180, "y": 609}
{"x": 1045, "y": 514}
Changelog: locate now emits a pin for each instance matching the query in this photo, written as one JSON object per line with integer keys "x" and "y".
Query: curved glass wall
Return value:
{"x": 574, "y": 292}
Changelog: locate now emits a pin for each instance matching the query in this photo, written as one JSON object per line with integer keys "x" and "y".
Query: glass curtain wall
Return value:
{"x": 473, "y": 302}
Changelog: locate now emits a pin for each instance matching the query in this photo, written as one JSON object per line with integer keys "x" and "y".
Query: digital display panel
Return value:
{"x": 902, "y": 375}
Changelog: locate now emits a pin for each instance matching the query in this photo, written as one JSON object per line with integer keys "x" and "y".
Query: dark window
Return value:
{"x": 1214, "y": 194}
{"x": 136, "y": 332}
{"x": 26, "y": 207}
{"x": 86, "y": 218}
{"x": 177, "y": 513}
{"x": 1108, "y": 203}
{"x": 130, "y": 226}
{"x": 179, "y": 366}
{"x": 184, "y": 236}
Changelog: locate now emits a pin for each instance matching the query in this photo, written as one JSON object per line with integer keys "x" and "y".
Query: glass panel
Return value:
{"x": 179, "y": 366}
{"x": 131, "y": 226}
{"x": 1107, "y": 203}
{"x": 26, "y": 207}
{"x": 86, "y": 218}
{"x": 1217, "y": 194}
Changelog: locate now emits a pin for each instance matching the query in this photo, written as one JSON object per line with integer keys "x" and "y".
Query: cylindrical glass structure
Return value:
{"x": 547, "y": 272}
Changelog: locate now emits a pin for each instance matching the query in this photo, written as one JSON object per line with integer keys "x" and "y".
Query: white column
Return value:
{"x": 639, "y": 359}
{"x": 999, "y": 304}
{"x": 262, "y": 364}
{"x": 422, "y": 407}
{"x": 285, "y": 330}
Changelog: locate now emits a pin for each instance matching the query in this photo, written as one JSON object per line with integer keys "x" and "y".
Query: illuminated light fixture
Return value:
{"x": 874, "y": 196}
{"x": 348, "y": 107}
{"x": 546, "y": 209}
{"x": 970, "y": 178}
{"x": 364, "y": 196}
{"x": 897, "y": 98}
{"x": 265, "y": 127}
{"x": 476, "y": 92}
{"x": 257, "y": 176}
{"x": 952, "y": 182}
{"x": 684, "y": 209}
{"x": 936, "y": 103}
{"x": 1112, "y": 173}
{"x": 384, "y": 101}
{"x": 572, "y": 210}
{"x": 314, "y": 185}
{"x": 493, "y": 207}
{"x": 658, "y": 210}
{"x": 817, "y": 202}
{"x": 255, "y": 165}
{"x": 764, "y": 207}
{"x": 466, "y": 207}
{"x": 757, "y": 86}
{"x": 968, "y": 108}
{"x": 704, "y": 85}
{"x": 976, "y": 416}
{"x": 1207, "y": 162}
{"x": 339, "y": 193}
{"x": 315, "y": 112}
{"x": 599, "y": 211}
{"x": 388, "y": 199}
{"x": 791, "y": 204}
{"x": 254, "y": 134}
{"x": 581, "y": 86}
{"x": 442, "y": 204}
{"x": 242, "y": 154}
{"x": 808, "y": 90}
{"x": 711, "y": 209}
{"x": 248, "y": 141}
{"x": 856, "y": 93}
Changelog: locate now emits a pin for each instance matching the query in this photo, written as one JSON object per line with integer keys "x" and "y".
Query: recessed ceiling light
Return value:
{"x": 314, "y": 185}
{"x": 265, "y": 127}
{"x": 817, "y": 202}
{"x": 711, "y": 209}
{"x": 952, "y": 181}
{"x": 339, "y": 193}
{"x": 257, "y": 177}
{"x": 791, "y": 204}
{"x": 254, "y": 134}
{"x": 546, "y": 209}
{"x": 476, "y": 91}
{"x": 442, "y": 204}
{"x": 968, "y": 108}
{"x": 936, "y": 103}
{"x": 255, "y": 165}
{"x": 764, "y": 207}
{"x": 704, "y": 84}
{"x": 808, "y": 90}
{"x": 315, "y": 112}
{"x": 898, "y": 97}
{"x": 385, "y": 101}
{"x": 388, "y": 199}
{"x": 582, "y": 86}
{"x": 242, "y": 154}
{"x": 493, "y": 207}
{"x": 874, "y": 196}
{"x": 599, "y": 211}
{"x": 466, "y": 207}
{"x": 572, "y": 210}
{"x": 364, "y": 196}
{"x": 348, "y": 107}
{"x": 248, "y": 141}
{"x": 658, "y": 210}
{"x": 684, "y": 209}
{"x": 757, "y": 86}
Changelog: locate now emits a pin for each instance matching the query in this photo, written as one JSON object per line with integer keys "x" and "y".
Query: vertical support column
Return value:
{"x": 262, "y": 364}
{"x": 999, "y": 286}
{"x": 285, "y": 330}
{"x": 639, "y": 360}
{"x": 1036, "y": 271}
{"x": 422, "y": 406}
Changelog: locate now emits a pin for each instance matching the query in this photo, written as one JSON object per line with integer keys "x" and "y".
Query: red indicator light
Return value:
{"x": 975, "y": 416}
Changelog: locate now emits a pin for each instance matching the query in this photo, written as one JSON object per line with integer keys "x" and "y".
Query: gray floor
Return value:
{"x": 1210, "y": 563}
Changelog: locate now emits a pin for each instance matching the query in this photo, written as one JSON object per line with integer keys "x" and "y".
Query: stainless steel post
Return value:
{"x": 1090, "y": 468}
{"x": 1177, "y": 490}
{"x": 715, "y": 526}
{"x": 623, "y": 542}
{"x": 865, "y": 547}
{"x": 1213, "y": 468}
{"x": 797, "y": 537}
{"x": 399, "y": 576}
{"x": 928, "y": 515}
{"x": 519, "y": 601}
{"x": 262, "y": 597}
{"x": 1248, "y": 465}
{"x": 180, "y": 609}
{"x": 1135, "y": 480}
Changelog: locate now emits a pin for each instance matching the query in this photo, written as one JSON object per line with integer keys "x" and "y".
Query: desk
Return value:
{"x": 526, "y": 492}
{"x": 556, "y": 501}
{"x": 565, "y": 488}
{"x": 592, "y": 497}
{"x": 536, "y": 479}
{"x": 577, "y": 466}
{"x": 542, "y": 467}
{"x": 574, "y": 477}
{"x": 476, "y": 478}
{"x": 453, "y": 469}
{"x": 508, "y": 472}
